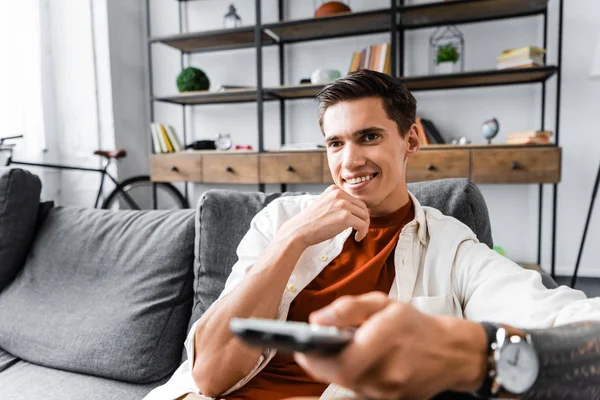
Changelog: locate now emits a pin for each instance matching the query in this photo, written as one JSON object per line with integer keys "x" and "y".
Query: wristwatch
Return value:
{"x": 513, "y": 363}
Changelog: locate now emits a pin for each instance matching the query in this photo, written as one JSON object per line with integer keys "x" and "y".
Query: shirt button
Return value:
{"x": 292, "y": 287}
{"x": 323, "y": 257}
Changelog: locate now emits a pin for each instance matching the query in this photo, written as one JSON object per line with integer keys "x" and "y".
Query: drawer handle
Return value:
{"x": 174, "y": 169}
{"x": 431, "y": 167}
{"x": 289, "y": 168}
{"x": 515, "y": 166}
{"x": 229, "y": 169}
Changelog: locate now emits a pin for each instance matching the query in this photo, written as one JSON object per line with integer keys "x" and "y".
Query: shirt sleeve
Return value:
{"x": 495, "y": 289}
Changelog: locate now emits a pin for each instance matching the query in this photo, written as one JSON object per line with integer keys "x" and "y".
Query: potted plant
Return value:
{"x": 447, "y": 56}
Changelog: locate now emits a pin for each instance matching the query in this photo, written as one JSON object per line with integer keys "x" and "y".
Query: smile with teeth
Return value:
{"x": 354, "y": 181}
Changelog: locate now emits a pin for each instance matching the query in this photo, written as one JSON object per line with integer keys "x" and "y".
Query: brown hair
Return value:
{"x": 398, "y": 103}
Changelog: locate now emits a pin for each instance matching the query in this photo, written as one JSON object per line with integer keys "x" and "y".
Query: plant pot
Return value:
{"x": 447, "y": 67}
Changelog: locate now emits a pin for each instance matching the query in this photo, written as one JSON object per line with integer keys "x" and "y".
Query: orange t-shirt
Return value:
{"x": 361, "y": 267}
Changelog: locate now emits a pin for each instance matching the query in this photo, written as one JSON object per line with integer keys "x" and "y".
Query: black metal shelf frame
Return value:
{"x": 399, "y": 18}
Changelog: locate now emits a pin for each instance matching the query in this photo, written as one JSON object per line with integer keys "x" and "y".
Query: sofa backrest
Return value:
{"x": 223, "y": 218}
{"x": 105, "y": 293}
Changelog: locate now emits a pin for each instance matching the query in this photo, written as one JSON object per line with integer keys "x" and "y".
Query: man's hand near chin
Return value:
{"x": 332, "y": 212}
{"x": 397, "y": 351}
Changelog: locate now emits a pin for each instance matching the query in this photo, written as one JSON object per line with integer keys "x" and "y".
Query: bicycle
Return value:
{"x": 137, "y": 193}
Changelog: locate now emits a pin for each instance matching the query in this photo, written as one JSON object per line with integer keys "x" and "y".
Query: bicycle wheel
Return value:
{"x": 136, "y": 194}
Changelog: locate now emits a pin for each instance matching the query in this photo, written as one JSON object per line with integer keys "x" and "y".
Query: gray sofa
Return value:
{"x": 96, "y": 304}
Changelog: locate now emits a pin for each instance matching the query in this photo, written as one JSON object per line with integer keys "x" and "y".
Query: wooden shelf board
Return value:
{"x": 483, "y": 146}
{"x": 215, "y": 40}
{"x": 210, "y": 97}
{"x": 414, "y": 83}
{"x": 303, "y": 91}
{"x": 349, "y": 24}
{"x": 436, "y": 82}
{"x": 358, "y": 23}
{"x": 480, "y": 78}
{"x": 466, "y": 11}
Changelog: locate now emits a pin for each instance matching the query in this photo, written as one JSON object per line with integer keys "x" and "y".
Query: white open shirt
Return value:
{"x": 441, "y": 269}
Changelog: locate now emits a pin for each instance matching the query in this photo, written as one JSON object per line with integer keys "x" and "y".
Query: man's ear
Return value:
{"x": 413, "y": 143}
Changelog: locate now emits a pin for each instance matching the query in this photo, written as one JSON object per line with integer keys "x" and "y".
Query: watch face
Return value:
{"x": 517, "y": 367}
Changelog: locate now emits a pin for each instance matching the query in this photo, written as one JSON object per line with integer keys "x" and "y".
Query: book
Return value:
{"x": 529, "y": 140}
{"x": 156, "y": 143}
{"x": 173, "y": 138}
{"x": 526, "y": 63}
{"x": 431, "y": 130}
{"x": 523, "y": 52}
{"x": 165, "y": 139}
{"x": 529, "y": 134}
{"x": 355, "y": 62}
{"x": 376, "y": 57}
{"x": 422, "y": 136}
{"x": 224, "y": 88}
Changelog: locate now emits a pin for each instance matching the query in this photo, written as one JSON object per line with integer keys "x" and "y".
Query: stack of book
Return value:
{"x": 164, "y": 139}
{"x": 376, "y": 58}
{"x": 428, "y": 133}
{"x": 529, "y": 137}
{"x": 525, "y": 57}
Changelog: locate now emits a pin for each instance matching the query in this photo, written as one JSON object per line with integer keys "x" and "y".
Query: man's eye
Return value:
{"x": 369, "y": 137}
{"x": 335, "y": 144}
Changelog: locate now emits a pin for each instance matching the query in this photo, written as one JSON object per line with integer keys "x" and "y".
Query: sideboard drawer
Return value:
{"x": 429, "y": 165}
{"x": 176, "y": 167}
{"x": 290, "y": 168}
{"x": 520, "y": 165}
{"x": 235, "y": 168}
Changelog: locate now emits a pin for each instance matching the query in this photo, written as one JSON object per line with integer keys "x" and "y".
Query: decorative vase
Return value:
{"x": 232, "y": 19}
{"x": 323, "y": 76}
{"x": 447, "y": 67}
{"x": 329, "y": 8}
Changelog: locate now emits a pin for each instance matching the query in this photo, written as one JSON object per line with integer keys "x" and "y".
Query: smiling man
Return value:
{"x": 366, "y": 233}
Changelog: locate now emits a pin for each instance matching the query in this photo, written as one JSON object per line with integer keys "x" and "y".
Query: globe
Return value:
{"x": 489, "y": 129}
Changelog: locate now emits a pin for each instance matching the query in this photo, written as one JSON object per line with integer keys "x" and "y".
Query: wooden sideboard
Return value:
{"x": 480, "y": 163}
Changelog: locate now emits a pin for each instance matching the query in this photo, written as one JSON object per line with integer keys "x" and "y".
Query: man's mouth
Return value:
{"x": 360, "y": 179}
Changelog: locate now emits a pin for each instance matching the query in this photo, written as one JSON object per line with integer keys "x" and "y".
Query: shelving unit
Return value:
{"x": 528, "y": 164}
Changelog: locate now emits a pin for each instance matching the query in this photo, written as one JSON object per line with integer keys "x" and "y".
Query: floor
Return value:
{"x": 590, "y": 286}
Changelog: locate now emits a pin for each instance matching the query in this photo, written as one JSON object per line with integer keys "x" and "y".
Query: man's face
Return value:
{"x": 367, "y": 154}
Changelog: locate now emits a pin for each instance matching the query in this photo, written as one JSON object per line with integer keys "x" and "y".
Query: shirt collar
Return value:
{"x": 420, "y": 220}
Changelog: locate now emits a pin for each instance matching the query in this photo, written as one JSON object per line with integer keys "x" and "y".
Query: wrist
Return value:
{"x": 468, "y": 358}
{"x": 290, "y": 241}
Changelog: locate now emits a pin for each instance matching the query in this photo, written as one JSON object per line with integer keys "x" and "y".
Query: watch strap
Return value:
{"x": 485, "y": 390}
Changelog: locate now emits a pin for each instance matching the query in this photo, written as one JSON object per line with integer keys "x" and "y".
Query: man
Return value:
{"x": 365, "y": 233}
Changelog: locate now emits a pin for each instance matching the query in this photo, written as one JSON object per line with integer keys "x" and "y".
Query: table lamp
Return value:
{"x": 594, "y": 75}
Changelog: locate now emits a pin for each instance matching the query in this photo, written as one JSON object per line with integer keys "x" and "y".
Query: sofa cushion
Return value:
{"x": 104, "y": 293}
{"x": 223, "y": 218}
{"x": 28, "y": 381}
{"x": 19, "y": 200}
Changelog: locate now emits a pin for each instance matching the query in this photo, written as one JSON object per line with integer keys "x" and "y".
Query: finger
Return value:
{"x": 363, "y": 215}
{"x": 353, "y": 200}
{"x": 350, "y": 311}
{"x": 323, "y": 369}
{"x": 357, "y": 223}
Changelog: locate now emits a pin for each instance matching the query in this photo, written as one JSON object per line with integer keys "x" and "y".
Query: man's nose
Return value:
{"x": 353, "y": 157}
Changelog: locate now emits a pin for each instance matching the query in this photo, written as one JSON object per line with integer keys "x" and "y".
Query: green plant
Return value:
{"x": 192, "y": 79}
{"x": 447, "y": 53}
